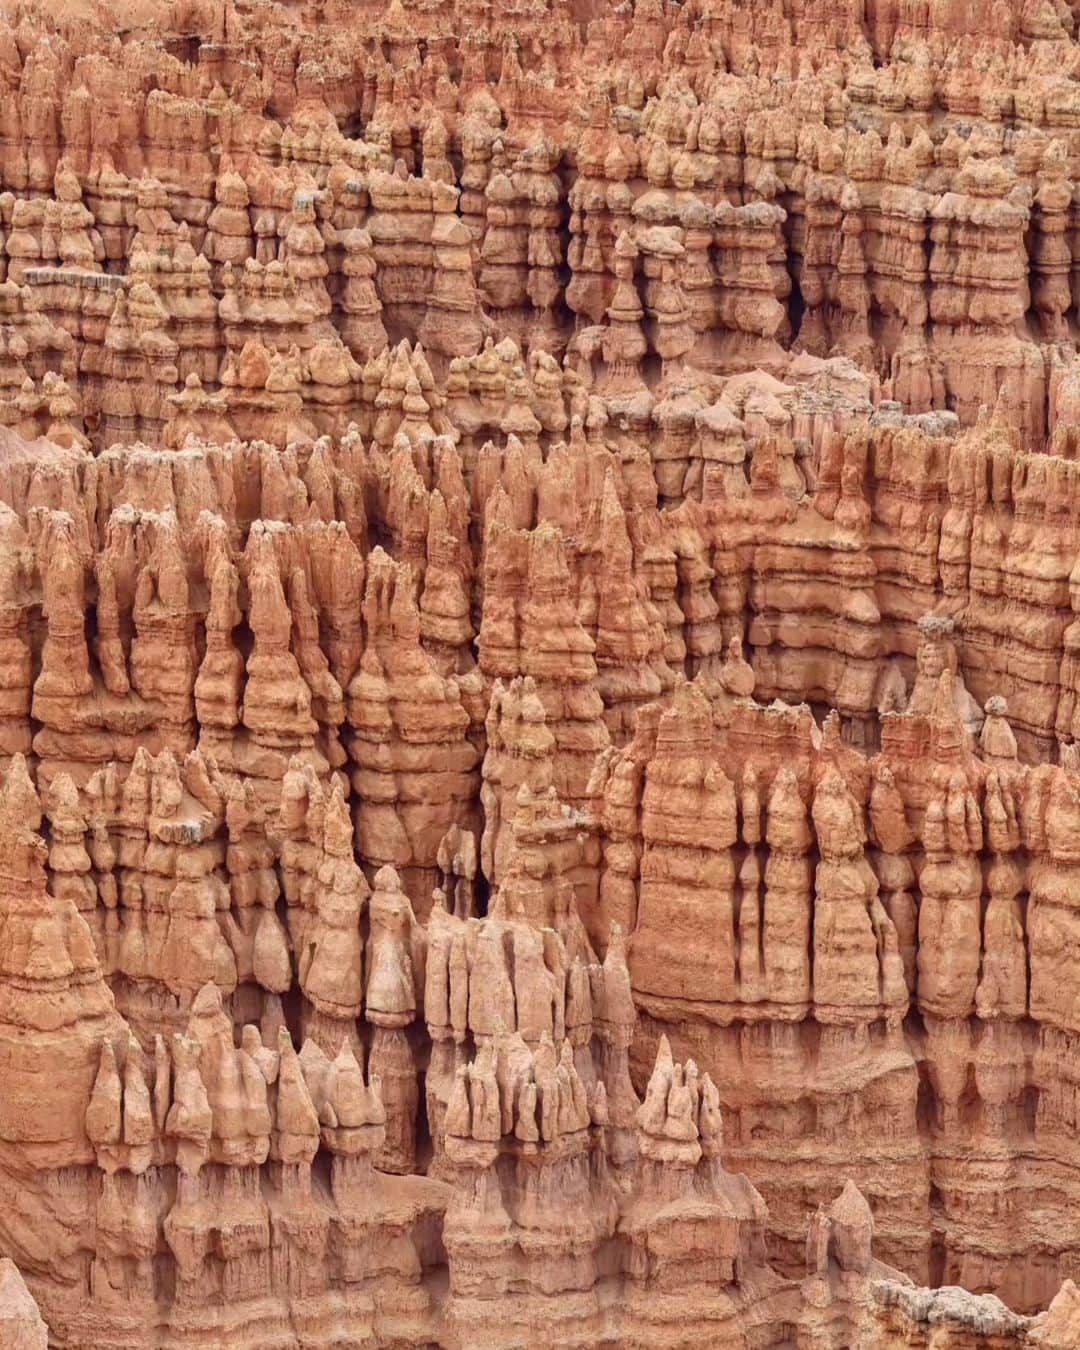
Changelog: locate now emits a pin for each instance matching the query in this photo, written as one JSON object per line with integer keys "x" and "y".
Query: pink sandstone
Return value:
{"x": 539, "y": 659}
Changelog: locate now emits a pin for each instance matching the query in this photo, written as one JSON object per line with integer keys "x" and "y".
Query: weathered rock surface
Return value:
{"x": 539, "y": 672}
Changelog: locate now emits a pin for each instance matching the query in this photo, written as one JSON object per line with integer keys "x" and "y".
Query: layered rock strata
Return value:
{"x": 539, "y": 572}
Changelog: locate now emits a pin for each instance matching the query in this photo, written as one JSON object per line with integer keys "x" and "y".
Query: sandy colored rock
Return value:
{"x": 20, "y": 1321}
{"x": 539, "y": 656}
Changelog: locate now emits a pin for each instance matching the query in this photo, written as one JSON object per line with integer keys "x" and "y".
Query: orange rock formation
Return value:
{"x": 540, "y": 649}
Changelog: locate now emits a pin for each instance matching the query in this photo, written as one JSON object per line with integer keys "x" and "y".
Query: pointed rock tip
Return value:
{"x": 345, "y": 1057}
{"x": 207, "y": 1000}
{"x": 851, "y": 1206}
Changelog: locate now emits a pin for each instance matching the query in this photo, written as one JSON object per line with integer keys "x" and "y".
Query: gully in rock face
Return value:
{"x": 539, "y": 652}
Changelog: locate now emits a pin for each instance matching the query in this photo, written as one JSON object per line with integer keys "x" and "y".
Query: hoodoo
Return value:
{"x": 539, "y": 675}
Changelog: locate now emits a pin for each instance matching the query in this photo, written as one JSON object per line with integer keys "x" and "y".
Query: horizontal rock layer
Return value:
{"x": 539, "y": 574}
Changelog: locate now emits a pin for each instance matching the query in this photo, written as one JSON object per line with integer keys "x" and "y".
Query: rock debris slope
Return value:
{"x": 539, "y": 672}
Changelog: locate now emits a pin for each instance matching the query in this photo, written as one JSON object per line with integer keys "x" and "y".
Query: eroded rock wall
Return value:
{"x": 539, "y": 672}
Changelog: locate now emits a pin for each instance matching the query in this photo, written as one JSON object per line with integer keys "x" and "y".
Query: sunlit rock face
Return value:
{"x": 539, "y": 671}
